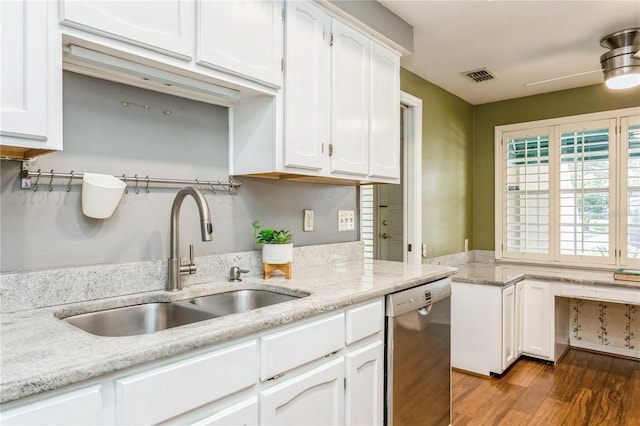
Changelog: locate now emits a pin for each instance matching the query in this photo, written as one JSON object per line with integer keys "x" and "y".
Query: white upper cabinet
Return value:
{"x": 307, "y": 86}
{"x": 245, "y": 37}
{"x": 384, "y": 123}
{"x": 341, "y": 107}
{"x": 31, "y": 81}
{"x": 350, "y": 100}
{"x": 164, "y": 26}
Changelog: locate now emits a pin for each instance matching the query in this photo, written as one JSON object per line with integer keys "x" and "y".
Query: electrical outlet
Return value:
{"x": 307, "y": 225}
{"x": 424, "y": 250}
{"x": 346, "y": 220}
{"x": 466, "y": 244}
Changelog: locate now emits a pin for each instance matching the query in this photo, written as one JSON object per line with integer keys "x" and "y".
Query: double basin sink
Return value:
{"x": 151, "y": 317}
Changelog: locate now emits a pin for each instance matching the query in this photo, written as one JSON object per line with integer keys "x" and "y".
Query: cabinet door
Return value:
{"x": 536, "y": 320}
{"x": 244, "y": 37}
{"x": 519, "y": 314}
{"x": 307, "y": 87}
{"x": 24, "y": 71}
{"x": 312, "y": 398}
{"x": 384, "y": 140}
{"x": 509, "y": 343}
{"x": 79, "y": 407}
{"x": 350, "y": 101}
{"x": 163, "y": 26}
{"x": 364, "y": 398}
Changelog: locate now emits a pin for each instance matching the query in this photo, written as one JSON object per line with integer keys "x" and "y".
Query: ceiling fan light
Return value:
{"x": 624, "y": 81}
{"x": 621, "y": 64}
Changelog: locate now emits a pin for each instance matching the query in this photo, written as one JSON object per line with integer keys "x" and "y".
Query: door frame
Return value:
{"x": 412, "y": 175}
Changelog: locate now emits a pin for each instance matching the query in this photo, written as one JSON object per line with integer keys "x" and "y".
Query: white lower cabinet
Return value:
{"x": 538, "y": 333}
{"x": 485, "y": 327}
{"x": 510, "y": 331}
{"x": 364, "y": 395}
{"x": 78, "y": 407}
{"x": 315, "y": 397}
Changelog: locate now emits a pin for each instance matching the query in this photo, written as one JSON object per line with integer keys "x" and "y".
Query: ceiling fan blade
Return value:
{"x": 561, "y": 78}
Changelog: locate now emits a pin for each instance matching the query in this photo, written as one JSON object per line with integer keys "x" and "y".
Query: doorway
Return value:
{"x": 390, "y": 215}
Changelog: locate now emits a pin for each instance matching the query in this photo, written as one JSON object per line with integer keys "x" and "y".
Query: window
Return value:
{"x": 568, "y": 190}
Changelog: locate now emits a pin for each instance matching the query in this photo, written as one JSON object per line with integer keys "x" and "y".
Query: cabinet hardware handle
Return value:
{"x": 277, "y": 376}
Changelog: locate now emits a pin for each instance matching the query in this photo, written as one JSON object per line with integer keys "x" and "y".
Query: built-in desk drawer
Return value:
{"x": 598, "y": 292}
{"x": 295, "y": 346}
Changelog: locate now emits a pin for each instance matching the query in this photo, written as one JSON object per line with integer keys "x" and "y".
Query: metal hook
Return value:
{"x": 50, "y": 187}
{"x": 124, "y": 178}
{"x": 200, "y": 186}
{"x": 230, "y": 188}
{"x": 69, "y": 183}
{"x": 35, "y": 185}
{"x": 136, "y": 177}
{"x": 147, "y": 189}
{"x": 211, "y": 185}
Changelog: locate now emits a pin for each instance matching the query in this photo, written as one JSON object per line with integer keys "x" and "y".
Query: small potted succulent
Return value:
{"x": 277, "y": 246}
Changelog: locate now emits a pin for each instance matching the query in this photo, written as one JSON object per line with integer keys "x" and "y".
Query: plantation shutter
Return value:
{"x": 526, "y": 213}
{"x": 631, "y": 151}
{"x": 586, "y": 192}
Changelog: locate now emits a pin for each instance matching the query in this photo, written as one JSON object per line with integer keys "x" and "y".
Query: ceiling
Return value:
{"x": 519, "y": 42}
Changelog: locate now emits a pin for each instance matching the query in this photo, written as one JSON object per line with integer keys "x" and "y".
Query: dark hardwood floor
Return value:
{"x": 585, "y": 388}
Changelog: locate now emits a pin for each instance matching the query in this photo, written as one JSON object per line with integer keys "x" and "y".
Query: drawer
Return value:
{"x": 364, "y": 321}
{"x": 295, "y": 346}
{"x": 79, "y": 407}
{"x": 165, "y": 392}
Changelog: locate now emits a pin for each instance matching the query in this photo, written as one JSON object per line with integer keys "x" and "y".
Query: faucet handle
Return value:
{"x": 234, "y": 273}
{"x": 189, "y": 268}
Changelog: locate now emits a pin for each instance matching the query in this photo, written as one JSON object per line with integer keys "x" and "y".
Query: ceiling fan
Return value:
{"x": 620, "y": 65}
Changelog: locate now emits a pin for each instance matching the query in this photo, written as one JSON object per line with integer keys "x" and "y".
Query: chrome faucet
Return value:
{"x": 175, "y": 269}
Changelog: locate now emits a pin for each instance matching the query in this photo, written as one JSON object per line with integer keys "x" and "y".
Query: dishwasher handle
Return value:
{"x": 425, "y": 311}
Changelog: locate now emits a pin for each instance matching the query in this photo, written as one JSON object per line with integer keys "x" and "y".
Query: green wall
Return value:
{"x": 582, "y": 100}
{"x": 447, "y": 147}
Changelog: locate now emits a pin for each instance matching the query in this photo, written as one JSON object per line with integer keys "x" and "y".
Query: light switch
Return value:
{"x": 307, "y": 224}
{"x": 346, "y": 220}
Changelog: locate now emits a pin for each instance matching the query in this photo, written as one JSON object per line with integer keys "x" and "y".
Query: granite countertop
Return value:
{"x": 40, "y": 353}
{"x": 506, "y": 274}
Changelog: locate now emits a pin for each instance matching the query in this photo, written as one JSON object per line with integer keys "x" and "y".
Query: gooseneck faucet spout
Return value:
{"x": 175, "y": 269}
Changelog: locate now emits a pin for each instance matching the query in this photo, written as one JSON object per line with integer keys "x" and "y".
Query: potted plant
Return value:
{"x": 277, "y": 246}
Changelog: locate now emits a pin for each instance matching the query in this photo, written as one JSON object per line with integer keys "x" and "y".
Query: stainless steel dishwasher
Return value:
{"x": 418, "y": 355}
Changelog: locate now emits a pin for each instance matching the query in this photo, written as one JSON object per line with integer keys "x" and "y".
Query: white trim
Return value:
{"x": 569, "y": 119}
{"x": 412, "y": 199}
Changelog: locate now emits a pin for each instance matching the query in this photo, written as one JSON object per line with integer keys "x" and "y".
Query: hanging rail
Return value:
{"x": 145, "y": 182}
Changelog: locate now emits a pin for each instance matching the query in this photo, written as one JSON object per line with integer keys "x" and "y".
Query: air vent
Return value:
{"x": 479, "y": 75}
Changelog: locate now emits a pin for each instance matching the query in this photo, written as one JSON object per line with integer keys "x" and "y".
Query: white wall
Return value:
{"x": 47, "y": 229}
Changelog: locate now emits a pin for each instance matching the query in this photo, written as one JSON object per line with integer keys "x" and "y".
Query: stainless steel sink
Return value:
{"x": 233, "y": 302}
{"x": 139, "y": 319}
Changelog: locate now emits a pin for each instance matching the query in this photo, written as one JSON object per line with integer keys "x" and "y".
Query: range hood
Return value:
{"x": 157, "y": 77}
